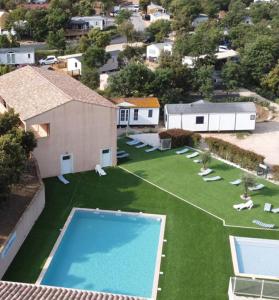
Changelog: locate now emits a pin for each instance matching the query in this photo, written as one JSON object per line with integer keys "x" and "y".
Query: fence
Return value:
{"x": 246, "y": 287}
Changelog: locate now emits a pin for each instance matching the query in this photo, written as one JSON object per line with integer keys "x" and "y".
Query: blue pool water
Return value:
{"x": 108, "y": 253}
{"x": 257, "y": 256}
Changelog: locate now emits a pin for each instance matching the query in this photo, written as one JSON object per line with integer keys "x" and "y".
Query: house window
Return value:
{"x": 136, "y": 114}
{"x": 29, "y": 55}
{"x": 200, "y": 120}
{"x": 75, "y": 64}
{"x": 41, "y": 130}
{"x": 66, "y": 157}
{"x": 150, "y": 113}
{"x": 252, "y": 117}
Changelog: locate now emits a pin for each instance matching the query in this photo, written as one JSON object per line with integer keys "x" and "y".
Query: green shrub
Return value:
{"x": 180, "y": 137}
{"x": 245, "y": 158}
{"x": 275, "y": 172}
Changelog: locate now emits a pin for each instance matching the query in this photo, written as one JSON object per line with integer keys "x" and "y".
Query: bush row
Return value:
{"x": 180, "y": 137}
{"x": 245, "y": 158}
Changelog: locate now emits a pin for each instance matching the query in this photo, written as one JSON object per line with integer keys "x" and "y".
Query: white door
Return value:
{"x": 66, "y": 164}
{"x": 123, "y": 116}
{"x": 105, "y": 158}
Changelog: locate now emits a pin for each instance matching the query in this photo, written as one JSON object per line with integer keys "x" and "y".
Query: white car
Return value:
{"x": 49, "y": 60}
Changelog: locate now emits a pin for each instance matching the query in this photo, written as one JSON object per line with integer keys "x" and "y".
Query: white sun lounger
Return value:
{"x": 205, "y": 172}
{"x": 151, "y": 149}
{"x": 197, "y": 161}
{"x": 141, "y": 146}
{"x": 192, "y": 155}
{"x": 267, "y": 207}
{"x": 100, "y": 171}
{"x": 124, "y": 155}
{"x": 215, "y": 178}
{"x": 236, "y": 182}
{"x": 257, "y": 187}
{"x": 133, "y": 143}
{"x": 119, "y": 152}
{"x": 182, "y": 151}
{"x": 63, "y": 179}
{"x": 275, "y": 210}
{"x": 249, "y": 204}
{"x": 264, "y": 225}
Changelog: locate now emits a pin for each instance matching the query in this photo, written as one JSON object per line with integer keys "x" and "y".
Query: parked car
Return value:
{"x": 223, "y": 48}
{"x": 49, "y": 60}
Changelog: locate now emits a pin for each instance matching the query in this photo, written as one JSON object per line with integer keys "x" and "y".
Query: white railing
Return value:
{"x": 245, "y": 287}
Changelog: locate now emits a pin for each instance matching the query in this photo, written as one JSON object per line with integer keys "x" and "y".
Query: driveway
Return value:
{"x": 264, "y": 140}
{"x": 138, "y": 22}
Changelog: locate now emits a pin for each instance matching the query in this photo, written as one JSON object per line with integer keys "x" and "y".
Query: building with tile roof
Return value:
{"x": 25, "y": 291}
{"x": 74, "y": 125}
{"x": 137, "y": 111}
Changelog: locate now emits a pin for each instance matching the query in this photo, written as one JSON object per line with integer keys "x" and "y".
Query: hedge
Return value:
{"x": 180, "y": 137}
{"x": 245, "y": 158}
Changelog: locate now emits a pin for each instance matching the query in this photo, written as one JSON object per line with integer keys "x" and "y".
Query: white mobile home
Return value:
{"x": 159, "y": 16}
{"x": 100, "y": 22}
{"x": 17, "y": 56}
{"x": 205, "y": 116}
{"x": 137, "y": 111}
{"x": 154, "y": 51}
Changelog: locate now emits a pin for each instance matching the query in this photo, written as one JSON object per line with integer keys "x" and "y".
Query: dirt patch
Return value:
{"x": 263, "y": 114}
{"x": 22, "y": 194}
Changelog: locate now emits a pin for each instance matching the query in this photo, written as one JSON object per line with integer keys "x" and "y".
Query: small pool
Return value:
{"x": 106, "y": 251}
{"x": 254, "y": 257}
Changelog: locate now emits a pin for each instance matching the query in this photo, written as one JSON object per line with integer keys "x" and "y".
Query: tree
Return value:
{"x": 159, "y": 30}
{"x": 56, "y": 40}
{"x": 15, "y": 146}
{"x": 91, "y": 78}
{"x": 259, "y": 57}
{"x": 95, "y": 57}
{"x": 36, "y": 26}
{"x": 271, "y": 80}
{"x": 8, "y": 121}
{"x": 57, "y": 18}
{"x": 247, "y": 181}
{"x": 143, "y": 5}
{"x": 99, "y": 38}
{"x": 5, "y": 69}
{"x": 127, "y": 29}
{"x": 129, "y": 54}
{"x": 133, "y": 80}
{"x": 206, "y": 159}
{"x": 205, "y": 40}
{"x": 8, "y": 41}
{"x": 123, "y": 16}
{"x": 231, "y": 75}
{"x": 204, "y": 80}
{"x": 237, "y": 12}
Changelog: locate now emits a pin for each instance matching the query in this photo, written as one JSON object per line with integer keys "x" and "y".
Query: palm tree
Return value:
{"x": 247, "y": 181}
{"x": 205, "y": 158}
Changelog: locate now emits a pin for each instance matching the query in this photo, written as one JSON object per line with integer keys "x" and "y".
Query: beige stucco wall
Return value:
{"x": 22, "y": 228}
{"x": 76, "y": 128}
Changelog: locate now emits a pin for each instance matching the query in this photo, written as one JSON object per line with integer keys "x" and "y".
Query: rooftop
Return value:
{"x": 32, "y": 91}
{"x": 196, "y": 108}
{"x": 149, "y": 102}
{"x": 24, "y": 291}
{"x": 17, "y": 50}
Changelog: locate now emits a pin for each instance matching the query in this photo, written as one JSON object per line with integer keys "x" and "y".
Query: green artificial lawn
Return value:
{"x": 178, "y": 175}
{"x": 198, "y": 260}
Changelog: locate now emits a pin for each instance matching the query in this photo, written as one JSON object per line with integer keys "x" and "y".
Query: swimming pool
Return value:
{"x": 107, "y": 251}
{"x": 257, "y": 258}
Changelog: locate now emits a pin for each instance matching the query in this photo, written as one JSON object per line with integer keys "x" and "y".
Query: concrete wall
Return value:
{"x": 22, "y": 228}
{"x": 79, "y": 129}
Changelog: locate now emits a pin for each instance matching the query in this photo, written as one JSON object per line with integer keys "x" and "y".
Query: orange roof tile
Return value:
{"x": 148, "y": 102}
